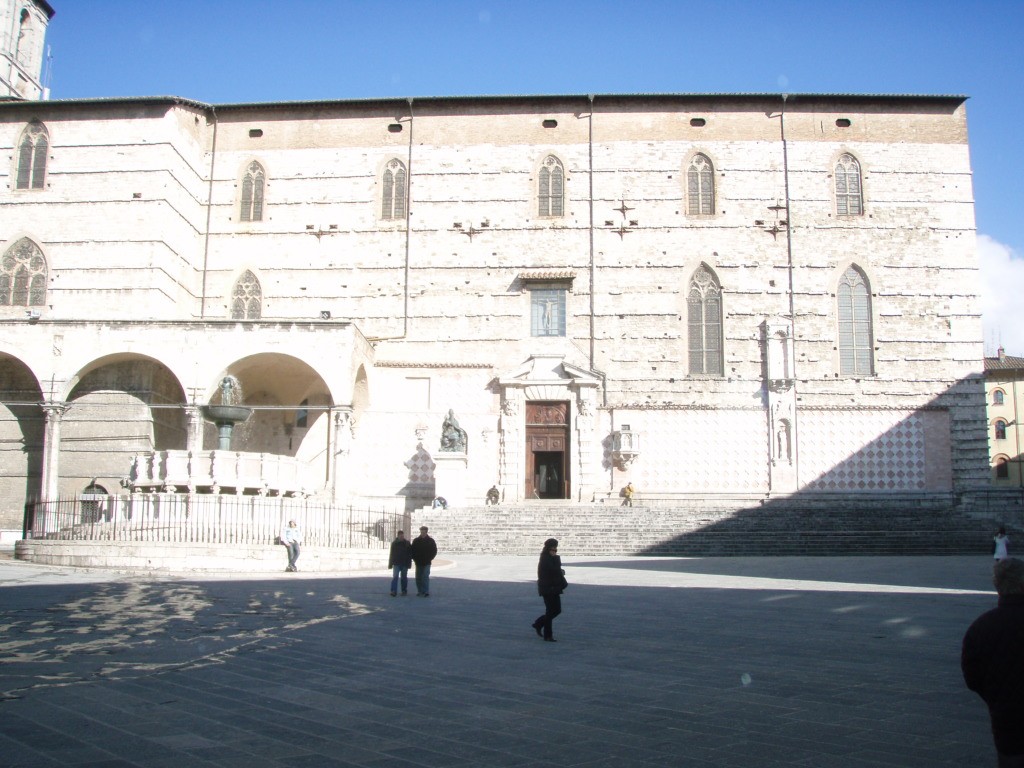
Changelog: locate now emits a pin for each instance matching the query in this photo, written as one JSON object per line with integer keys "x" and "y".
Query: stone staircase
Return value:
{"x": 910, "y": 525}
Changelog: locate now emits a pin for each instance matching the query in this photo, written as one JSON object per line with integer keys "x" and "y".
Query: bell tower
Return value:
{"x": 23, "y": 26}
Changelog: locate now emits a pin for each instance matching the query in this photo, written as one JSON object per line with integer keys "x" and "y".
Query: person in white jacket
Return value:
{"x": 291, "y": 537}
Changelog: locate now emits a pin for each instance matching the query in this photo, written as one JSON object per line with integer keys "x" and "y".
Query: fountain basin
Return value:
{"x": 232, "y": 414}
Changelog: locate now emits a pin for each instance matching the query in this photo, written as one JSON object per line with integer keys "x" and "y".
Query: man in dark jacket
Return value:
{"x": 992, "y": 660}
{"x": 550, "y": 585}
{"x": 399, "y": 560}
{"x": 424, "y": 550}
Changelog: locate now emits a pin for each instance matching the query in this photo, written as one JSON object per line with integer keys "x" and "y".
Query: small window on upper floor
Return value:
{"x": 23, "y": 275}
{"x": 700, "y": 187}
{"x": 849, "y": 195}
{"x": 551, "y": 188}
{"x": 1000, "y": 429}
{"x": 997, "y": 397}
{"x": 547, "y": 311}
{"x": 253, "y": 184}
{"x": 856, "y": 355}
{"x": 32, "y": 153}
{"x": 393, "y": 190}
{"x": 247, "y": 298}
{"x": 302, "y": 414}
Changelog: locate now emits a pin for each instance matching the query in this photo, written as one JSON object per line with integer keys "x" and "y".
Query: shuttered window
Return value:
{"x": 704, "y": 324}
{"x": 700, "y": 187}
{"x": 393, "y": 186}
{"x": 849, "y": 200}
{"x": 32, "y": 154}
{"x": 551, "y": 188}
{"x": 855, "y": 334}
{"x": 253, "y": 184}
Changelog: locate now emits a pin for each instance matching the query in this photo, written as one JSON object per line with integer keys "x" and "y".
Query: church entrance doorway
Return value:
{"x": 547, "y": 450}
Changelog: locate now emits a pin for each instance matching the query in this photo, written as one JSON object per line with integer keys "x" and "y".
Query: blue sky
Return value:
{"x": 226, "y": 51}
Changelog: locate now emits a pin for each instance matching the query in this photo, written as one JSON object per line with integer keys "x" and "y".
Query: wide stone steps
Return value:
{"x": 713, "y": 529}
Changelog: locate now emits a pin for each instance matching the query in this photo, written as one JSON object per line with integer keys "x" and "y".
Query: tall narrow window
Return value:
{"x": 32, "y": 151}
{"x": 551, "y": 188}
{"x": 997, "y": 397}
{"x": 704, "y": 323}
{"x": 1002, "y": 467}
{"x": 23, "y": 275}
{"x": 253, "y": 183}
{"x": 854, "y": 312}
{"x": 393, "y": 195}
{"x": 247, "y": 298}
{"x": 849, "y": 200}
{"x": 700, "y": 187}
{"x": 547, "y": 311}
{"x": 1000, "y": 430}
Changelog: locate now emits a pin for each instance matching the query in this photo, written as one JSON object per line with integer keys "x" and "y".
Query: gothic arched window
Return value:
{"x": 1000, "y": 429}
{"x": 700, "y": 187}
{"x": 856, "y": 357}
{"x": 23, "y": 275}
{"x": 393, "y": 191}
{"x": 704, "y": 323}
{"x": 551, "y": 188}
{"x": 247, "y": 298}
{"x": 253, "y": 183}
{"x": 32, "y": 151}
{"x": 998, "y": 397}
{"x": 849, "y": 199}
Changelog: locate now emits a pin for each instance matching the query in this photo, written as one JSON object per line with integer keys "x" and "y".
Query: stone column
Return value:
{"x": 196, "y": 424}
{"x": 49, "y": 485}
{"x": 510, "y": 447}
{"x": 342, "y": 437}
{"x": 586, "y": 442}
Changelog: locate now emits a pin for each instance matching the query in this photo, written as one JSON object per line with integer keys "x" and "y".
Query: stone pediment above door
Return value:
{"x": 549, "y": 377}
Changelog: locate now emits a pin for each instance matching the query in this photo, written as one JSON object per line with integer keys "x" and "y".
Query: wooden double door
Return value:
{"x": 547, "y": 450}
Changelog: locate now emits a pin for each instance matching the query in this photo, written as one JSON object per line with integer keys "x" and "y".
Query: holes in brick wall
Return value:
{"x": 255, "y": 133}
{"x": 550, "y": 123}
{"x": 843, "y": 122}
{"x": 698, "y": 122}
{"x": 395, "y": 128}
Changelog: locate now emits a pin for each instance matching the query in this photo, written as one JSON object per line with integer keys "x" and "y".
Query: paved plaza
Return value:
{"x": 830, "y": 662}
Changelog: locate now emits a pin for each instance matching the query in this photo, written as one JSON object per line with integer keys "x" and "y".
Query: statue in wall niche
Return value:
{"x": 453, "y": 437}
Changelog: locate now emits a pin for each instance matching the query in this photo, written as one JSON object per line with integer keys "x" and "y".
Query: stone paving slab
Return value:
{"x": 839, "y": 662}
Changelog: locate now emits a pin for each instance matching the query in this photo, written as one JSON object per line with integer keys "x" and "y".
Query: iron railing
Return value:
{"x": 210, "y": 519}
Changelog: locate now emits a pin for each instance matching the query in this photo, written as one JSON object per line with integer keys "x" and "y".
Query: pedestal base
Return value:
{"x": 450, "y": 477}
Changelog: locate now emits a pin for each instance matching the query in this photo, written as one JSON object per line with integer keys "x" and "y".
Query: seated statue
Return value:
{"x": 453, "y": 437}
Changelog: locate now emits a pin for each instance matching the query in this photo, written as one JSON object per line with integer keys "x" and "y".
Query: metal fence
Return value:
{"x": 209, "y": 519}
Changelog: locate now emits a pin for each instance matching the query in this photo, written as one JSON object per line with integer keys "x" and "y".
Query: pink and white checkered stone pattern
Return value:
{"x": 862, "y": 451}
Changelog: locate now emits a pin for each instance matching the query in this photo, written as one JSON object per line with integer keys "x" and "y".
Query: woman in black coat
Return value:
{"x": 550, "y": 583}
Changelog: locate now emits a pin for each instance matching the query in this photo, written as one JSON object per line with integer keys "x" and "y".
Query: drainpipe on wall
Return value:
{"x": 792, "y": 301}
{"x": 209, "y": 210}
{"x": 408, "y": 235}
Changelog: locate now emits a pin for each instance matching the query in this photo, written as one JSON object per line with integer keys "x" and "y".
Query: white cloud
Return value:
{"x": 1002, "y": 293}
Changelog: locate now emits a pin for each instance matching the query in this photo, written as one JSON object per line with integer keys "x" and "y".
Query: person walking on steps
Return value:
{"x": 550, "y": 585}
{"x": 424, "y": 550}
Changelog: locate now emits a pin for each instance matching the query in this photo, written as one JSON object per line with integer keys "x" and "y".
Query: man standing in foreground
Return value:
{"x": 424, "y": 550}
{"x": 992, "y": 661}
{"x": 399, "y": 560}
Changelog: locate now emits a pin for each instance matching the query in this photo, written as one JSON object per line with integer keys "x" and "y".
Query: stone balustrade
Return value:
{"x": 238, "y": 472}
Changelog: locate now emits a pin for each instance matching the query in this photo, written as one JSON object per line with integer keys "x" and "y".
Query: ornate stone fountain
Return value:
{"x": 228, "y": 413}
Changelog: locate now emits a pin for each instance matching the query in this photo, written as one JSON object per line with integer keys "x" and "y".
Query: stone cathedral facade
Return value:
{"x": 743, "y": 296}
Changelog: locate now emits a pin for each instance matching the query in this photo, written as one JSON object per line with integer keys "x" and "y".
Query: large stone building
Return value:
{"x": 749, "y": 295}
